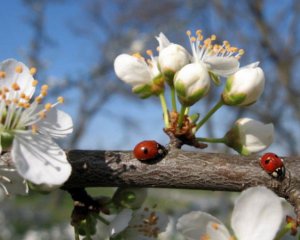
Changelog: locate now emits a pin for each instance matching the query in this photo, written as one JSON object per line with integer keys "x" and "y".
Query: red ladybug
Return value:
{"x": 148, "y": 150}
{"x": 273, "y": 165}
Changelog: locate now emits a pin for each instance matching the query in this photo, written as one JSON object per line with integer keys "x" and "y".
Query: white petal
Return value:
{"x": 24, "y": 79}
{"x": 120, "y": 222}
{"x": 251, "y": 65}
{"x": 57, "y": 123}
{"x": 196, "y": 224}
{"x": 40, "y": 160}
{"x": 11, "y": 181}
{"x": 132, "y": 70}
{"x": 255, "y": 135}
{"x": 222, "y": 66}
{"x": 257, "y": 214}
{"x": 163, "y": 41}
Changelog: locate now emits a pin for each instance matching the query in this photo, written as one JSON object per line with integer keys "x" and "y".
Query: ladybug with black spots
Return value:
{"x": 149, "y": 150}
{"x": 273, "y": 165}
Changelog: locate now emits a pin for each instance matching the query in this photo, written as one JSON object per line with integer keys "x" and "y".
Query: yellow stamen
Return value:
{"x": 38, "y": 99}
{"x": 241, "y": 51}
{"x": 2, "y": 74}
{"x": 19, "y": 69}
{"x": 5, "y": 89}
{"x": 44, "y": 87}
{"x": 48, "y": 106}
{"x": 27, "y": 98}
{"x": 189, "y": 33}
{"x": 137, "y": 55}
{"x": 60, "y": 99}
{"x": 215, "y": 226}
{"x": 205, "y": 237}
{"x": 42, "y": 115}
{"x": 22, "y": 95}
{"x": 193, "y": 39}
{"x": 26, "y": 105}
{"x": 33, "y": 70}
{"x": 16, "y": 101}
{"x": 213, "y": 37}
{"x": 149, "y": 52}
{"x": 34, "y": 129}
{"x": 44, "y": 93}
{"x": 34, "y": 83}
{"x": 15, "y": 86}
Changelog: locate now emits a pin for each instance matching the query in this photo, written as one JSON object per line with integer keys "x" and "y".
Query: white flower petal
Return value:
{"x": 196, "y": 224}
{"x": 40, "y": 160}
{"x": 57, "y": 123}
{"x": 255, "y": 135}
{"x": 132, "y": 70}
{"x": 257, "y": 214}
{"x": 222, "y": 66}
{"x": 24, "y": 79}
{"x": 120, "y": 222}
{"x": 163, "y": 41}
{"x": 11, "y": 181}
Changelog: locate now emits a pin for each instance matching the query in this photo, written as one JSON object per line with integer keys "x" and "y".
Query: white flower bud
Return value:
{"x": 249, "y": 136}
{"x": 245, "y": 86}
{"x": 192, "y": 83}
{"x": 132, "y": 70}
{"x": 172, "y": 58}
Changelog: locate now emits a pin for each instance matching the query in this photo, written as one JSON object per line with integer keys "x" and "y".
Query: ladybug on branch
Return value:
{"x": 149, "y": 150}
{"x": 273, "y": 165}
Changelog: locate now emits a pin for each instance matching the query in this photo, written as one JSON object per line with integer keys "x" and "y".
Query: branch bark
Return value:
{"x": 179, "y": 169}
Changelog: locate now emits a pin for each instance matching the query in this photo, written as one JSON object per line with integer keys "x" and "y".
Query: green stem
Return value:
{"x": 283, "y": 231}
{"x": 173, "y": 97}
{"x": 187, "y": 110}
{"x": 209, "y": 114}
{"x": 76, "y": 233}
{"x": 164, "y": 108}
{"x": 212, "y": 140}
{"x": 181, "y": 116}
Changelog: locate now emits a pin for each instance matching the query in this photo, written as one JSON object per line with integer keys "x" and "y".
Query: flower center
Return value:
{"x": 203, "y": 48}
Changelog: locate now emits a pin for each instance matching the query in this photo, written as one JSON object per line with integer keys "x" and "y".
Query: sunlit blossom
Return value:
{"x": 257, "y": 215}
{"x": 27, "y": 127}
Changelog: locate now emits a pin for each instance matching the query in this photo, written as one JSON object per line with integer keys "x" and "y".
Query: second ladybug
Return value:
{"x": 149, "y": 150}
{"x": 273, "y": 165}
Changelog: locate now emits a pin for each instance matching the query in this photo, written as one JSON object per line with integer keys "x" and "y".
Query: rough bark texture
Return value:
{"x": 180, "y": 169}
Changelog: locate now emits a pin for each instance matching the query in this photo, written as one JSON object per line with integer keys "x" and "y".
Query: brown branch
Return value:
{"x": 180, "y": 169}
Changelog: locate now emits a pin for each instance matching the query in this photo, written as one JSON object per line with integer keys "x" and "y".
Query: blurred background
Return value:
{"x": 73, "y": 45}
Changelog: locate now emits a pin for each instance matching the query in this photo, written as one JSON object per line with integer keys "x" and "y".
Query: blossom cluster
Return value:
{"x": 188, "y": 75}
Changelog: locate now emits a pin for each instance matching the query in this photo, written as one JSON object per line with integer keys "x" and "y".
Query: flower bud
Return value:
{"x": 132, "y": 198}
{"x": 145, "y": 79}
{"x": 192, "y": 83}
{"x": 249, "y": 136}
{"x": 171, "y": 59}
{"x": 245, "y": 86}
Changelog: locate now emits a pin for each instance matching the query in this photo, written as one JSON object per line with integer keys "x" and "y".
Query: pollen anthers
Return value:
{"x": 148, "y": 226}
{"x": 206, "y": 47}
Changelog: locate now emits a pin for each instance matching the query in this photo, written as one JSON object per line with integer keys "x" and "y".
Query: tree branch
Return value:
{"x": 179, "y": 169}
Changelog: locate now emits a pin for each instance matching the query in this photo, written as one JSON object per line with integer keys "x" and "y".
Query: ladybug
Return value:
{"x": 273, "y": 165}
{"x": 148, "y": 150}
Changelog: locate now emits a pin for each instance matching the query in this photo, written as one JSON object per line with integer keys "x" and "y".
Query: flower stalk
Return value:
{"x": 164, "y": 109}
{"x": 218, "y": 105}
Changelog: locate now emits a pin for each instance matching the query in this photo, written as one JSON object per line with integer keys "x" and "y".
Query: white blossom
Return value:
{"x": 257, "y": 215}
{"x": 245, "y": 86}
{"x": 172, "y": 57}
{"x": 250, "y": 136}
{"x": 28, "y": 128}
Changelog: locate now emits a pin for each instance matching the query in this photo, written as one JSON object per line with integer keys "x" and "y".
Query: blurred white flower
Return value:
{"x": 172, "y": 57}
{"x": 257, "y": 215}
{"x": 249, "y": 136}
{"x": 143, "y": 224}
{"x": 245, "y": 86}
{"x": 27, "y": 128}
